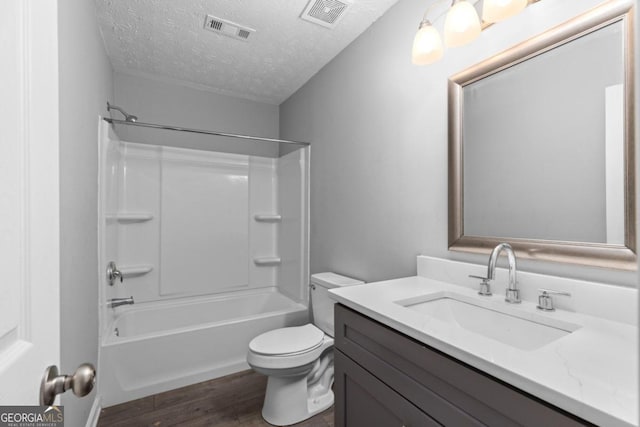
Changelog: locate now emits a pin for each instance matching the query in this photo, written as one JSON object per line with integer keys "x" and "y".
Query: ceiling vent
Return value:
{"x": 227, "y": 28}
{"x": 325, "y": 12}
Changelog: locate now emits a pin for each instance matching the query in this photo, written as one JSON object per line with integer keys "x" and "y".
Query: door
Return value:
{"x": 29, "y": 198}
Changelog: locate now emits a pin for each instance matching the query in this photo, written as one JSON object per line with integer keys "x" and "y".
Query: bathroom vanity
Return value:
{"x": 385, "y": 378}
{"x": 423, "y": 351}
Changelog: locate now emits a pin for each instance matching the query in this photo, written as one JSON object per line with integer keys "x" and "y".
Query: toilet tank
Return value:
{"x": 321, "y": 302}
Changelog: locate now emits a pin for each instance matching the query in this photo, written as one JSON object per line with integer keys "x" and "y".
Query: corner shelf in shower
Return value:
{"x": 267, "y": 261}
{"x": 130, "y": 217}
{"x": 268, "y": 217}
{"x": 135, "y": 270}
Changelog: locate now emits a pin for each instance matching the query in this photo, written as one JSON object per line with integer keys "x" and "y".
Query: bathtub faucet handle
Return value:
{"x": 113, "y": 273}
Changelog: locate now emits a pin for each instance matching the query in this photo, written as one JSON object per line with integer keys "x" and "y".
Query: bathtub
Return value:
{"x": 168, "y": 345}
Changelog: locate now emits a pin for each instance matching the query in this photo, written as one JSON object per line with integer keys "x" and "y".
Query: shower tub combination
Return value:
{"x": 213, "y": 248}
{"x": 176, "y": 344}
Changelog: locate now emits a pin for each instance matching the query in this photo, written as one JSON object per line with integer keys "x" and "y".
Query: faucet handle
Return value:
{"x": 113, "y": 273}
{"x": 545, "y": 302}
{"x": 485, "y": 286}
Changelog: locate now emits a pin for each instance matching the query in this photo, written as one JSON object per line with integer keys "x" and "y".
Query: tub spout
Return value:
{"x": 117, "y": 302}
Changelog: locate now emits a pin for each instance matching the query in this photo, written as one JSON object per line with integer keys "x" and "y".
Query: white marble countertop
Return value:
{"x": 591, "y": 372}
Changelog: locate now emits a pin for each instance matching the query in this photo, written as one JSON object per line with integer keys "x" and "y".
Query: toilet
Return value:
{"x": 299, "y": 360}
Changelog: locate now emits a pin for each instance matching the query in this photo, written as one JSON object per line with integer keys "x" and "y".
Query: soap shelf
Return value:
{"x": 131, "y": 216}
{"x": 267, "y": 261}
{"x": 268, "y": 217}
{"x": 135, "y": 270}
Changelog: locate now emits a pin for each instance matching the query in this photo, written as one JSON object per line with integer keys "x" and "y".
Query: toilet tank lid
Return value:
{"x": 332, "y": 280}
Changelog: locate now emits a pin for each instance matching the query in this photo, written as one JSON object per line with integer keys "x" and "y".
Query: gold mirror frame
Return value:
{"x": 591, "y": 254}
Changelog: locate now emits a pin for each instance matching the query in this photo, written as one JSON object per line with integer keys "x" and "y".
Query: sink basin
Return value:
{"x": 513, "y": 327}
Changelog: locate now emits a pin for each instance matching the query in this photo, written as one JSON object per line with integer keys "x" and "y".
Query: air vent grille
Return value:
{"x": 325, "y": 12}
{"x": 227, "y": 28}
{"x": 215, "y": 25}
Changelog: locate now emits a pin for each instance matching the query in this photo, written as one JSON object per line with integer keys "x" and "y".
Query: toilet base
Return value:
{"x": 286, "y": 404}
{"x": 292, "y": 399}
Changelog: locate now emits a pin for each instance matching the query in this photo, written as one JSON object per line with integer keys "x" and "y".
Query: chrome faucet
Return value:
{"x": 512, "y": 294}
{"x": 117, "y": 302}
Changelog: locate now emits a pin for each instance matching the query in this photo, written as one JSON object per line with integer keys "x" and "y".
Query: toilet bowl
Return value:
{"x": 299, "y": 360}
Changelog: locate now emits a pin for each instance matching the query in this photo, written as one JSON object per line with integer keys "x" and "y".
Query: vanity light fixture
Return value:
{"x": 462, "y": 25}
{"x": 427, "y": 45}
{"x": 499, "y": 10}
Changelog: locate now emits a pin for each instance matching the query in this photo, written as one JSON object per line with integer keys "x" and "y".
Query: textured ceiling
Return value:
{"x": 166, "y": 39}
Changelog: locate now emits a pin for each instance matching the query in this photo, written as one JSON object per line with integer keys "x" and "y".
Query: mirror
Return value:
{"x": 541, "y": 146}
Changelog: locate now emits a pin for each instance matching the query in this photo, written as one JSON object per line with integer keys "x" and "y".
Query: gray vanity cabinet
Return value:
{"x": 385, "y": 379}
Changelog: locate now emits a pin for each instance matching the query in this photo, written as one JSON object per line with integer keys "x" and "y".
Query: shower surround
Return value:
{"x": 213, "y": 248}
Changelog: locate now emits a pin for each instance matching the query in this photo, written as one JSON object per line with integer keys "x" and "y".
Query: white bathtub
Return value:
{"x": 172, "y": 344}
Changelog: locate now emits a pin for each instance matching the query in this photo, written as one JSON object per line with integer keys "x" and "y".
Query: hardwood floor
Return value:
{"x": 231, "y": 401}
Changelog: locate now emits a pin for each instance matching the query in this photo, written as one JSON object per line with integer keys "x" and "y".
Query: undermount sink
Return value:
{"x": 510, "y": 326}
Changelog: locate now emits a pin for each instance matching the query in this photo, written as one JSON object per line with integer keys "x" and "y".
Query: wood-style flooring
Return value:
{"x": 231, "y": 401}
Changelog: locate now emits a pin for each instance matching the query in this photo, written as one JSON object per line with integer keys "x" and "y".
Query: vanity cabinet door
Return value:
{"x": 449, "y": 391}
{"x": 363, "y": 401}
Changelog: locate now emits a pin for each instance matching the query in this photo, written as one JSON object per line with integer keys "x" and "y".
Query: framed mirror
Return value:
{"x": 541, "y": 145}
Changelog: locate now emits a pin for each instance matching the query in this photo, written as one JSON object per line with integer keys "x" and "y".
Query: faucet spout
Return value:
{"x": 117, "y": 302}
{"x": 512, "y": 295}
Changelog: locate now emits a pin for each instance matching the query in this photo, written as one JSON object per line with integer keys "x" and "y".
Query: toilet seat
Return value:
{"x": 290, "y": 341}
{"x": 292, "y": 349}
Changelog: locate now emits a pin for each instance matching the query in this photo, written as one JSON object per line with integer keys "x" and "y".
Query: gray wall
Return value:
{"x": 166, "y": 102}
{"x": 378, "y": 128}
{"x": 85, "y": 84}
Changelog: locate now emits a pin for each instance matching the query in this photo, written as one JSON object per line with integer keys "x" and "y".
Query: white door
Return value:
{"x": 29, "y": 198}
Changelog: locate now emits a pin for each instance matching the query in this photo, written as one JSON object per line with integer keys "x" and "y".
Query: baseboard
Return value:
{"x": 94, "y": 415}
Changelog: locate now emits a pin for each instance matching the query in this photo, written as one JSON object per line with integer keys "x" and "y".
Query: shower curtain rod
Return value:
{"x": 201, "y": 131}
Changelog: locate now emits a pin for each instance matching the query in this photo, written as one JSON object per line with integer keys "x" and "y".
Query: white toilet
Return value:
{"x": 299, "y": 360}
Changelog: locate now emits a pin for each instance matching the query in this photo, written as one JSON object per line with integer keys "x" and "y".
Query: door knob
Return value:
{"x": 81, "y": 382}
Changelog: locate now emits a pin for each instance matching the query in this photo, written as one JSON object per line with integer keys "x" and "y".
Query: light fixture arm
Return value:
{"x": 430, "y": 8}
{"x": 423, "y": 23}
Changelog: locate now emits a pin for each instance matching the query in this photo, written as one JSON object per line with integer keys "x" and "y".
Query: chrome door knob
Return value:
{"x": 81, "y": 383}
{"x": 83, "y": 379}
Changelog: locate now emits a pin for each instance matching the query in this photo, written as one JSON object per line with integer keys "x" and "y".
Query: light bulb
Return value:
{"x": 427, "y": 45}
{"x": 462, "y": 24}
{"x": 499, "y": 10}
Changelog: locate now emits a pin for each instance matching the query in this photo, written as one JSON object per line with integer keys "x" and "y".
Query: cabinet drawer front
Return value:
{"x": 449, "y": 391}
{"x": 364, "y": 401}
